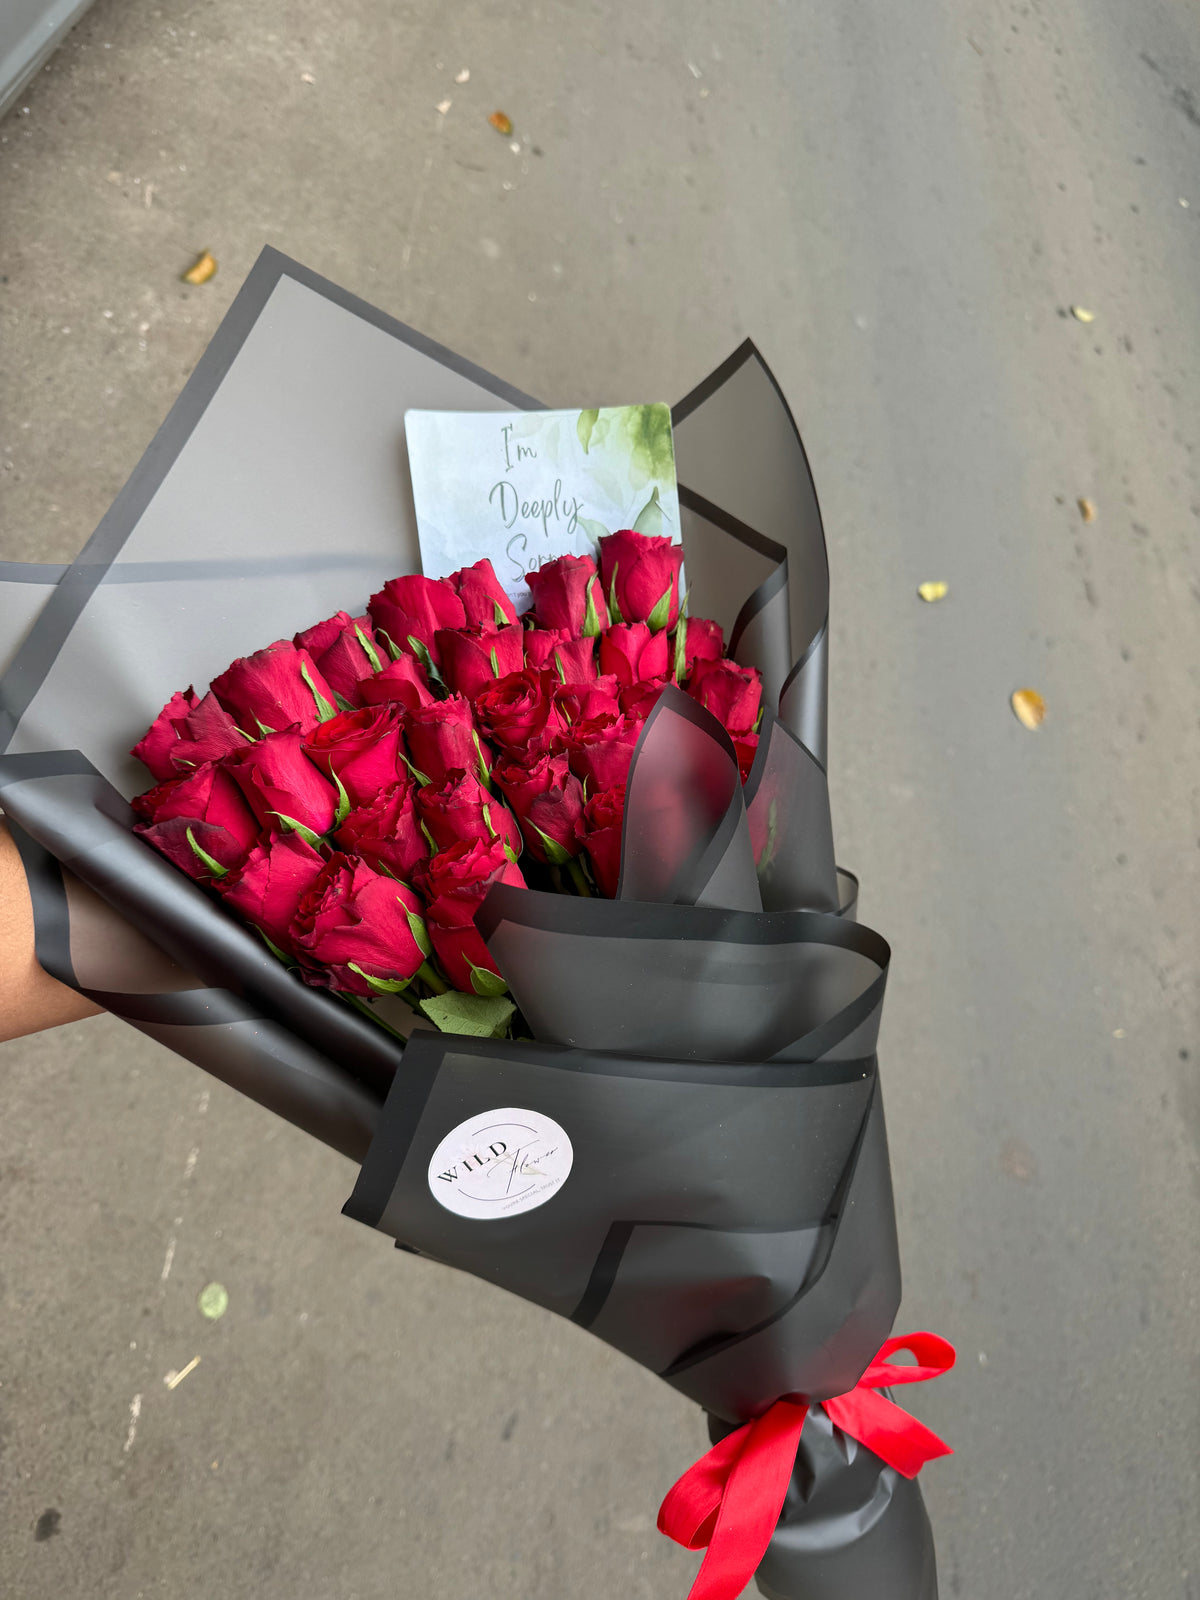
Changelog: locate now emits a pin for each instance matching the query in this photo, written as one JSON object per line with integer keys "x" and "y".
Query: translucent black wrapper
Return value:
{"x": 707, "y": 1039}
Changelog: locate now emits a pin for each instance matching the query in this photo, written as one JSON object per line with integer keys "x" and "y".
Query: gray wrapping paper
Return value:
{"x": 708, "y": 1039}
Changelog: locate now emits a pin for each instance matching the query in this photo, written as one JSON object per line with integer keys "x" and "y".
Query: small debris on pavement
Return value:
{"x": 501, "y": 122}
{"x": 1087, "y": 508}
{"x": 463, "y": 76}
{"x": 201, "y": 270}
{"x": 1081, "y": 315}
{"x": 174, "y": 1379}
{"x": 933, "y": 591}
{"x": 213, "y": 1301}
{"x": 1029, "y": 708}
{"x": 307, "y": 77}
{"x": 442, "y": 107}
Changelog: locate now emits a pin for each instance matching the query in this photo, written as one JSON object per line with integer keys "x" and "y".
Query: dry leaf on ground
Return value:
{"x": 201, "y": 270}
{"x": 1029, "y": 708}
{"x": 1087, "y": 508}
{"x": 501, "y": 123}
{"x": 933, "y": 591}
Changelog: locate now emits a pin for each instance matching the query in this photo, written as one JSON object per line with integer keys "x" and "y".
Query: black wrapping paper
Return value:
{"x": 707, "y": 1039}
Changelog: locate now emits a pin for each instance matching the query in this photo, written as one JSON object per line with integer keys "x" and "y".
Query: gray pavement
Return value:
{"x": 899, "y": 203}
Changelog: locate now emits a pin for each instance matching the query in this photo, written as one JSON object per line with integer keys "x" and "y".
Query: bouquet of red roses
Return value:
{"x": 355, "y": 792}
{"x": 651, "y": 1104}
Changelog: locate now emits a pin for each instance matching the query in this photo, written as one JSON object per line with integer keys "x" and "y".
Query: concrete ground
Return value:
{"x": 899, "y": 203}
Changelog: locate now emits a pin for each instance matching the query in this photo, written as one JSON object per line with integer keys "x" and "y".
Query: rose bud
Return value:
{"x": 200, "y": 822}
{"x": 404, "y": 682}
{"x": 746, "y": 746}
{"x": 407, "y": 613}
{"x": 359, "y": 931}
{"x": 484, "y": 601}
{"x": 274, "y": 689}
{"x": 600, "y": 832}
{"x": 638, "y": 700}
{"x": 632, "y": 654}
{"x": 578, "y": 701}
{"x": 472, "y": 657}
{"x": 575, "y": 660}
{"x": 186, "y": 733}
{"x": 733, "y": 694}
{"x": 640, "y": 573}
{"x": 268, "y": 889}
{"x": 454, "y": 885}
{"x": 518, "y": 712}
{"x": 547, "y": 800}
{"x": 442, "y": 736}
{"x": 283, "y": 787}
{"x": 463, "y": 809}
{"x": 345, "y": 651}
{"x": 567, "y": 594}
{"x": 386, "y": 833}
{"x": 702, "y": 640}
{"x": 360, "y": 749}
{"x": 539, "y": 646}
{"x": 599, "y": 750}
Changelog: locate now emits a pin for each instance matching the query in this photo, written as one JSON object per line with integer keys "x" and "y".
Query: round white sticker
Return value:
{"x": 500, "y": 1163}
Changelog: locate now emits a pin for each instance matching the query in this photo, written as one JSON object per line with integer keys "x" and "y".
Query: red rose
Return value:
{"x": 361, "y": 748}
{"x": 404, "y": 682}
{"x": 746, "y": 746}
{"x": 599, "y": 750}
{"x": 268, "y": 889}
{"x": 345, "y": 651}
{"x": 186, "y": 733}
{"x": 472, "y": 657}
{"x": 600, "y": 832}
{"x": 547, "y": 799}
{"x": 645, "y": 572}
{"x": 441, "y": 736}
{"x": 354, "y": 924}
{"x": 463, "y": 809}
{"x": 274, "y": 689}
{"x": 409, "y": 611}
{"x": 539, "y": 645}
{"x": 208, "y": 805}
{"x": 454, "y": 885}
{"x": 733, "y": 694}
{"x": 567, "y": 594}
{"x": 282, "y": 785}
{"x": 703, "y": 641}
{"x": 484, "y": 601}
{"x": 385, "y": 832}
{"x": 574, "y": 660}
{"x": 633, "y": 654}
{"x": 518, "y": 711}
{"x": 638, "y": 700}
{"x": 579, "y": 701}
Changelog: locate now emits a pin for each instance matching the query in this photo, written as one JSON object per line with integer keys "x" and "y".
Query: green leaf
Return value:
{"x": 483, "y": 1016}
{"x": 486, "y": 982}
{"x": 214, "y": 866}
{"x": 555, "y": 854}
{"x": 650, "y": 519}
{"x": 661, "y": 615}
{"x": 343, "y": 805}
{"x": 380, "y": 985}
{"x": 614, "y": 609}
{"x": 593, "y": 623}
{"x": 324, "y": 709}
{"x": 587, "y": 421}
{"x": 369, "y": 650}
{"x": 416, "y": 926}
{"x": 293, "y": 826}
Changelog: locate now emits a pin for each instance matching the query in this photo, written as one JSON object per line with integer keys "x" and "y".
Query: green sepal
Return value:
{"x": 512, "y": 854}
{"x": 421, "y": 777}
{"x": 380, "y": 985}
{"x": 393, "y": 649}
{"x": 369, "y": 650}
{"x": 583, "y": 428}
{"x": 661, "y": 615}
{"x": 485, "y": 776}
{"x": 486, "y": 982}
{"x": 213, "y": 865}
{"x": 280, "y": 955}
{"x": 325, "y": 711}
{"x": 495, "y": 662}
{"x": 614, "y": 610}
{"x": 343, "y": 805}
{"x": 562, "y": 671}
{"x": 483, "y": 1016}
{"x": 420, "y": 933}
{"x": 293, "y": 826}
{"x": 593, "y": 624}
{"x": 556, "y": 855}
{"x": 429, "y": 839}
{"x": 501, "y": 614}
{"x": 263, "y": 730}
{"x": 342, "y": 703}
{"x": 679, "y": 670}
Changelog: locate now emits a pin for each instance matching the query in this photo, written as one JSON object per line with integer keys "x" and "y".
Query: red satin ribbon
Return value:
{"x": 731, "y": 1499}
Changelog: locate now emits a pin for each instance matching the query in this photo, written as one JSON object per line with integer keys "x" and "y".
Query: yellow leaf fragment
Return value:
{"x": 933, "y": 591}
{"x": 1029, "y": 708}
{"x": 1081, "y": 315}
{"x": 501, "y": 123}
{"x": 201, "y": 270}
{"x": 1087, "y": 508}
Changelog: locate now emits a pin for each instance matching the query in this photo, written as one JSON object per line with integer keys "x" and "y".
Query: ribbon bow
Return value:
{"x": 731, "y": 1499}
